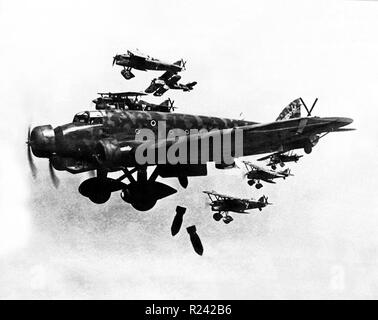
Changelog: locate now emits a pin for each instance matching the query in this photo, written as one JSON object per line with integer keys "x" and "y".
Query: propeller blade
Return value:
{"x": 207, "y": 204}
{"x": 32, "y": 166}
{"x": 114, "y": 60}
{"x": 54, "y": 178}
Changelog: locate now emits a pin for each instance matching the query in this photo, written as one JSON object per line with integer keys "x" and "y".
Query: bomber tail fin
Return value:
{"x": 165, "y": 103}
{"x": 293, "y": 110}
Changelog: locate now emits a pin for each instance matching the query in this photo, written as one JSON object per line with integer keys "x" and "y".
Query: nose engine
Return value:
{"x": 42, "y": 141}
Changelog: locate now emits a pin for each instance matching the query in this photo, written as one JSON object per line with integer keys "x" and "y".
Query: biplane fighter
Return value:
{"x": 108, "y": 140}
{"x": 257, "y": 173}
{"x": 122, "y": 100}
{"x": 223, "y": 204}
{"x": 137, "y": 60}
{"x": 116, "y": 100}
{"x": 168, "y": 80}
{"x": 280, "y": 158}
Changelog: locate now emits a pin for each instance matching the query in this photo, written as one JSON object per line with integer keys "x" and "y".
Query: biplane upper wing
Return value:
{"x": 122, "y": 94}
{"x": 222, "y": 196}
{"x": 268, "y": 156}
{"x": 167, "y": 76}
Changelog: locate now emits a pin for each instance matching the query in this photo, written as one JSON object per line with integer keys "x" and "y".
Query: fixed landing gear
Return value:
{"x": 308, "y": 148}
{"x": 258, "y": 185}
{"x": 228, "y": 219}
{"x": 217, "y": 216}
{"x": 274, "y": 167}
{"x": 99, "y": 189}
{"x": 252, "y": 182}
{"x": 144, "y": 192}
{"x": 141, "y": 193}
{"x": 127, "y": 74}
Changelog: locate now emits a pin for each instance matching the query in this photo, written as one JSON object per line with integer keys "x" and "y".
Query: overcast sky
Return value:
{"x": 318, "y": 240}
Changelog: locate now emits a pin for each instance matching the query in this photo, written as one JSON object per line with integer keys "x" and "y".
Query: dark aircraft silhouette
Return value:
{"x": 137, "y": 60}
{"x": 168, "y": 80}
{"x": 280, "y": 158}
{"x": 222, "y": 204}
{"x": 107, "y": 141}
{"x": 257, "y": 173}
{"x": 122, "y": 100}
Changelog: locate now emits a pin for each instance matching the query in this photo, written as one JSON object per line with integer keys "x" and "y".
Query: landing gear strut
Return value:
{"x": 144, "y": 192}
{"x": 141, "y": 193}
{"x": 127, "y": 74}
{"x": 308, "y": 148}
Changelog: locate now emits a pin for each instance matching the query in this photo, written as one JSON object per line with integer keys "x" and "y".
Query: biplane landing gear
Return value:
{"x": 251, "y": 182}
{"x": 127, "y": 74}
{"x": 217, "y": 216}
{"x": 258, "y": 185}
{"x": 274, "y": 167}
{"x": 227, "y": 219}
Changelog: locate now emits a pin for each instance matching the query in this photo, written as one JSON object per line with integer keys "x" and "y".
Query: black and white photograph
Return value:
{"x": 177, "y": 150}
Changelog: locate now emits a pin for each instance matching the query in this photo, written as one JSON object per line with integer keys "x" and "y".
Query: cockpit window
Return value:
{"x": 81, "y": 118}
{"x": 88, "y": 117}
{"x": 95, "y": 121}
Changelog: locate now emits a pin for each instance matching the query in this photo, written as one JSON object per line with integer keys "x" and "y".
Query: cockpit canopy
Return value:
{"x": 88, "y": 117}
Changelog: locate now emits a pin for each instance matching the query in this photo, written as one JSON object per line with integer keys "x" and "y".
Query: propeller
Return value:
{"x": 207, "y": 204}
{"x": 183, "y": 63}
{"x": 114, "y": 59}
{"x": 266, "y": 200}
{"x": 171, "y": 102}
{"x": 32, "y": 166}
{"x": 54, "y": 178}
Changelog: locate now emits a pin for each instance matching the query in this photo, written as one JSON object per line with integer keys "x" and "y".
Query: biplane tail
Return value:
{"x": 263, "y": 199}
{"x": 287, "y": 172}
{"x": 165, "y": 103}
{"x": 293, "y": 110}
{"x": 181, "y": 63}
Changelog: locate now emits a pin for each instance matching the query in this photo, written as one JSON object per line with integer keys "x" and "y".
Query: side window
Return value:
{"x": 96, "y": 121}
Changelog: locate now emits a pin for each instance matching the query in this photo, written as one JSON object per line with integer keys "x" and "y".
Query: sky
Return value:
{"x": 318, "y": 240}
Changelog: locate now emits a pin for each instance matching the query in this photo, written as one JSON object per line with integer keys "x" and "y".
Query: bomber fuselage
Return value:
{"x": 78, "y": 140}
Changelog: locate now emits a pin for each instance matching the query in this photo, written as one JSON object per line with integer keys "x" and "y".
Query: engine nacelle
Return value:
{"x": 71, "y": 165}
{"x": 111, "y": 153}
